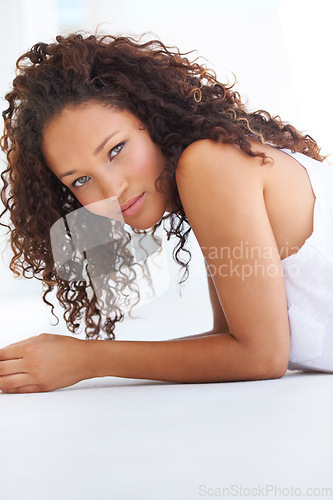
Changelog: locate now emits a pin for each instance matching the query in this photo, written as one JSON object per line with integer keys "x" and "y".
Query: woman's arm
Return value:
{"x": 48, "y": 362}
{"x": 223, "y": 194}
{"x": 211, "y": 358}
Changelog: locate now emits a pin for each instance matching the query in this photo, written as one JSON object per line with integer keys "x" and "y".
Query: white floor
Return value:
{"x": 124, "y": 439}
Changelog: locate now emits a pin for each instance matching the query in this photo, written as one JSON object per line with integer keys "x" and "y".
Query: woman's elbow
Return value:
{"x": 273, "y": 367}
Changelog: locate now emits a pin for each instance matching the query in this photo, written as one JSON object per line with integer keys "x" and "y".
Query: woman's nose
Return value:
{"x": 113, "y": 187}
{"x": 108, "y": 196}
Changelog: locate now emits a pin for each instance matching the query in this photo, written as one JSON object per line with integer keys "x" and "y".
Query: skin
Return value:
{"x": 269, "y": 207}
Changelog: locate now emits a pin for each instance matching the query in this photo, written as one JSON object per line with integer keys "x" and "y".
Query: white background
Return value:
{"x": 144, "y": 440}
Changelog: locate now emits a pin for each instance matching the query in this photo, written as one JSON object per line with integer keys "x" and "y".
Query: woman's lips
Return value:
{"x": 132, "y": 206}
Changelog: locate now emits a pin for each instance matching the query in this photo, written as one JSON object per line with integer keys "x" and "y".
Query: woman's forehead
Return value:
{"x": 83, "y": 130}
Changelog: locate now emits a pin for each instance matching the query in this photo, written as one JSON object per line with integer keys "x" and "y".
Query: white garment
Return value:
{"x": 309, "y": 278}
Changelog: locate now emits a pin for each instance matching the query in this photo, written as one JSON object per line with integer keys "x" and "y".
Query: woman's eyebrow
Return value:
{"x": 66, "y": 174}
{"x": 101, "y": 146}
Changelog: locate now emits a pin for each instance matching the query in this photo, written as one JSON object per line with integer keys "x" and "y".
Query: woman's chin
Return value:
{"x": 144, "y": 225}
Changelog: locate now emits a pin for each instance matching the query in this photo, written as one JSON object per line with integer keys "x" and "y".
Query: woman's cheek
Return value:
{"x": 140, "y": 161}
{"x": 82, "y": 198}
{"x": 146, "y": 158}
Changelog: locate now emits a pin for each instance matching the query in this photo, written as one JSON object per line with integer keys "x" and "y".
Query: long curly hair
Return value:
{"x": 179, "y": 101}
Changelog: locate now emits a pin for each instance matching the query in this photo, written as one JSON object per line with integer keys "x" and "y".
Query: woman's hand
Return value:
{"x": 42, "y": 363}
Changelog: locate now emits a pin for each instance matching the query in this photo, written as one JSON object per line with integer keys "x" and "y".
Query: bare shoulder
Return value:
{"x": 200, "y": 147}
{"x": 217, "y": 176}
{"x": 209, "y": 158}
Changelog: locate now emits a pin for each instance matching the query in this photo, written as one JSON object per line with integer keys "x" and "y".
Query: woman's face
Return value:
{"x": 100, "y": 153}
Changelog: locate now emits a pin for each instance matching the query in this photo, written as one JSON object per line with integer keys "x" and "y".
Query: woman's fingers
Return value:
{"x": 24, "y": 389}
{"x": 10, "y": 367}
{"x": 42, "y": 363}
{"x": 12, "y": 351}
{"x": 13, "y": 377}
{"x": 15, "y": 351}
{"x": 16, "y": 382}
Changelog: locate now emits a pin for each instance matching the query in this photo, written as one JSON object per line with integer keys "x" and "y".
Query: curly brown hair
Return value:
{"x": 178, "y": 101}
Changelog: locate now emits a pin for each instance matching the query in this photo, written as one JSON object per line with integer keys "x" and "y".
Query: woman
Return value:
{"x": 100, "y": 118}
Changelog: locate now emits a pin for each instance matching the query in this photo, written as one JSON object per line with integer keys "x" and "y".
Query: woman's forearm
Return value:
{"x": 210, "y": 358}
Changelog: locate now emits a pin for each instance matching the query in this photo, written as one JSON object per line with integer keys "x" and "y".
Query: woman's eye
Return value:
{"x": 80, "y": 181}
{"x": 116, "y": 150}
